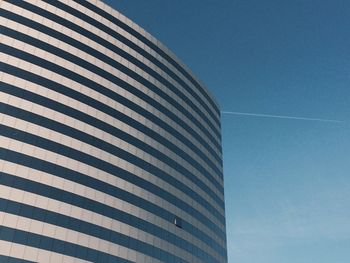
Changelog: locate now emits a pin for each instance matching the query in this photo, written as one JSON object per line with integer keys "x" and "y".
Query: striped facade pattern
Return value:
{"x": 110, "y": 148}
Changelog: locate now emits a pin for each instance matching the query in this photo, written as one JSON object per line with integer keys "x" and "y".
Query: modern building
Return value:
{"x": 110, "y": 148}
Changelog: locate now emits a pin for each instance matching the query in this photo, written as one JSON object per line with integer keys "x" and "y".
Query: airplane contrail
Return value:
{"x": 279, "y": 116}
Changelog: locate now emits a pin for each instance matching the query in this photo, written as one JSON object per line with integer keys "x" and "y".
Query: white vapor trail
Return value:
{"x": 279, "y": 116}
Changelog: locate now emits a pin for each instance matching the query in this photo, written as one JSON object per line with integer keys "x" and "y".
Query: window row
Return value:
{"x": 122, "y": 68}
{"x": 98, "y": 143}
{"x": 125, "y": 40}
{"x": 99, "y": 208}
{"x": 100, "y": 124}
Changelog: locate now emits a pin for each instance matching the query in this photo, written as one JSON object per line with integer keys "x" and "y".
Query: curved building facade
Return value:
{"x": 110, "y": 148}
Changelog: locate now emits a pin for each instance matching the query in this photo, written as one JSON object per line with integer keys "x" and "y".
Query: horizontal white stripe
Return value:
{"x": 99, "y": 196}
{"x": 115, "y": 71}
{"x": 43, "y": 111}
{"x": 35, "y": 108}
{"x": 67, "y": 235}
{"x": 108, "y": 199}
{"x": 106, "y": 83}
{"x": 34, "y": 254}
{"x": 91, "y": 150}
{"x": 91, "y": 217}
{"x": 142, "y": 45}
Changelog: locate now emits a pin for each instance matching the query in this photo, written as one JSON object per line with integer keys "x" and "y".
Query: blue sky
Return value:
{"x": 287, "y": 181}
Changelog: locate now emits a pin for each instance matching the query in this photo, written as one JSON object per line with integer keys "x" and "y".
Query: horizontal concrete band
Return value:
{"x": 204, "y": 142}
{"x": 130, "y": 88}
{"x": 64, "y": 221}
{"x": 18, "y": 253}
{"x": 52, "y": 205}
{"x": 97, "y": 207}
{"x": 56, "y": 245}
{"x": 77, "y": 51}
{"x": 102, "y": 71}
{"x": 95, "y": 122}
{"x": 157, "y": 49}
{"x": 100, "y": 164}
{"x": 40, "y": 164}
{"x": 94, "y": 141}
{"x": 34, "y": 59}
{"x": 100, "y": 106}
{"x": 21, "y": 113}
{"x": 45, "y": 82}
{"x": 127, "y": 71}
{"x": 16, "y": 120}
{"x": 203, "y": 110}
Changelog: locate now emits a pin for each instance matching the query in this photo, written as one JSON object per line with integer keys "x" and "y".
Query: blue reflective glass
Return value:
{"x": 127, "y": 71}
{"x": 81, "y": 226}
{"x": 40, "y": 120}
{"x": 104, "y": 14}
{"x": 68, "y": 250}
{"x": 7, "y": 259}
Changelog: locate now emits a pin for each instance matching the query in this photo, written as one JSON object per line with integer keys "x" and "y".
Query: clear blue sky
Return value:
{"x": 287, "y": 181}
